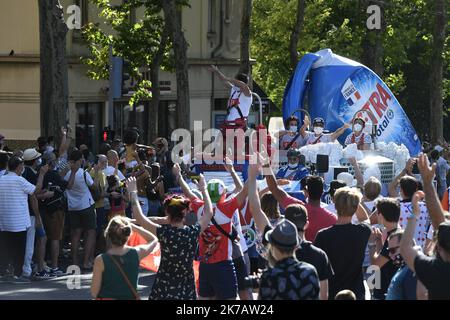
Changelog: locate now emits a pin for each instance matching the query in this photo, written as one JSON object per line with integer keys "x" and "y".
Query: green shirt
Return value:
{"x": 114, "y": 285}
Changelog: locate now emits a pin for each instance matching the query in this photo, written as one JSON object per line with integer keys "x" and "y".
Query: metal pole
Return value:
{"x": 110, "y": 91}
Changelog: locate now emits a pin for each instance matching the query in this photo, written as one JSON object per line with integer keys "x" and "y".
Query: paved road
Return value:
{"x": 57, "y": 289}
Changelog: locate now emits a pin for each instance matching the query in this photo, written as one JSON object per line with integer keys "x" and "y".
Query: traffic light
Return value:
{"x": 120, "y": 74}
{"x": 126, "y": 65}
{"x": 108, "y": 134}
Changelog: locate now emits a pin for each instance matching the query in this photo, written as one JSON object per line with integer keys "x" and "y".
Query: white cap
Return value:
{"x": 347, "y": 178}
{"x": 438, "y": 148}
{"x": 30, "y": 154}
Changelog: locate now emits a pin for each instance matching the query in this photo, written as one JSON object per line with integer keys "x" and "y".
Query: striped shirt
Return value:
{"x": 14, "y": 213}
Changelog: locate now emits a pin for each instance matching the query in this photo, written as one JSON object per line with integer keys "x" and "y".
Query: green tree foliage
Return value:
{"x": 341, "y": 26}
{"x": 136, "y": 41}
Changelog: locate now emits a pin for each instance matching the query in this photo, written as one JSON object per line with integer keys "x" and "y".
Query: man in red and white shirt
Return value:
{"x": 217, "y": 277}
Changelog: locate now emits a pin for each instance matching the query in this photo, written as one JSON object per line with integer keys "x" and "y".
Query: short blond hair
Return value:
{"x": 346, "y": 201}
{"x": 372, "y": 188}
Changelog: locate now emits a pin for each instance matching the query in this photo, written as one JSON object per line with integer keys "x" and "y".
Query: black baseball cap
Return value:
{"x": 319, "y": 121}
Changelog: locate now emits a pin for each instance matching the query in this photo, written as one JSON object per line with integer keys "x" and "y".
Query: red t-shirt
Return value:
{"x": 319, "y": 218}
{"x": 213, "y": 245}
{"x": 288, "y": 200}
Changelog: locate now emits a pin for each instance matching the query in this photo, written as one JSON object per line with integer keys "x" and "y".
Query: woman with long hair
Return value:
{"x": 178, "y": 243}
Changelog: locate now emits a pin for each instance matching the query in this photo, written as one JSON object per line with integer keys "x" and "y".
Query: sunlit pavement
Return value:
{"x": 58, "y": 288}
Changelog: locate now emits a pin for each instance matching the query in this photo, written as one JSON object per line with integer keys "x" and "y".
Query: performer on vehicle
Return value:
{"x": 293, "y": 170}
{"x": 318, "y": 136}
{"x": 362, "y": 140}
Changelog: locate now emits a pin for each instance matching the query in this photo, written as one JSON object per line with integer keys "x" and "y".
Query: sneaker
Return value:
{"x": 44, "y": 275}
{"x": 20, "y": 280}
{"x": 57, "y": 272}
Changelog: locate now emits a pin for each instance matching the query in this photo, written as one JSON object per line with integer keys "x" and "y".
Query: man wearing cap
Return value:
{"x": 433, "y": 272}
{"x": 33, "y": 161}
{"x": 362, "y": 140}
{"x": 318, "y": 136}
{"x": 293, "y": 170}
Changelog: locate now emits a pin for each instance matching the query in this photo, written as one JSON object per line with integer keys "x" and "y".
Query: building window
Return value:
{"x": 212, "y": 17}
{"x": 127, "y": 117}
{"x": 89, "y": 124}
{"x": 228, "y": 8}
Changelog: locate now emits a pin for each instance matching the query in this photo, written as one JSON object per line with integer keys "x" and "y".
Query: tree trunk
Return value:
{"x": 301, "y": 5}
{"x": 372, "y": 55}
{"x": 436, "y": 70}
{"x": 156, "y": 94}
{"x": 53, "y": 78}
{"x": 245, "y": 36}
{"x": 172, "y": 16}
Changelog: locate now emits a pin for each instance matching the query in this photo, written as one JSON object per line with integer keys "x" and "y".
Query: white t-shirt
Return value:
{"x": 367, "y": 139}
{"x": 14, "y": 212}
{"x": 311, "y": 138}
{"x": 109, "y": 171}
{"x": 287, "y": 138}
{"x": 238, "y": 98}
{"x": 420, "y": 234}
{"x": 79, "y": 197}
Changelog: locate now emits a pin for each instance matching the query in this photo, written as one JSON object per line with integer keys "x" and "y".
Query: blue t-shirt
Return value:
{"x": 403, "y": 285}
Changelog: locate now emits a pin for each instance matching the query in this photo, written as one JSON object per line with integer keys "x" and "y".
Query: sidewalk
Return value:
{"x": 57, "y": 289}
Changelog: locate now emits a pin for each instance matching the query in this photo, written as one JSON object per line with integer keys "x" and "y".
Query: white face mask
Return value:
{"x": 318, "y": 130}
{"x": 357, "y": 127}
{"x": 293, "y": 128}
{"x": 293, "y": 165}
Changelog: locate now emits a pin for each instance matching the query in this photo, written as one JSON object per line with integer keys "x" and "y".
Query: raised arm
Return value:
{"x": 431, "y": 197}
{"x": 144, "y": 250}
{"x": 228, "y": 164}
{"x": 176, "y": 170}
{"x": 272, "y": 184}
{"x": 40, "y": 181}
{"x": 142, "y": 220}
{"x": 221, "y": 76}
{"x": 340, "y": 131}
{"x": 65, "y": 142}
{"x": 406, "y": 171}
{"x": 261, "y": 220}
{"x": 208, "y": 208}
{"x": 358, "y": 174}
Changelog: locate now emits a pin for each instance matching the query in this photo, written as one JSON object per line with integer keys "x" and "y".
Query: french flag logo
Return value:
{"x": 350, "y": 93}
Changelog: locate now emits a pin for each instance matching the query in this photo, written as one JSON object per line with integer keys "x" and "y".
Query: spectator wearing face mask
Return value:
{"x": 362, "y": 140}
{"x": 318, "y": 136}
{"x": 15, "y": 218}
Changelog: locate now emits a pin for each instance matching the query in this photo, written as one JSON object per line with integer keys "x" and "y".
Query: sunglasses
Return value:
{"x": 393, "y": 250}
